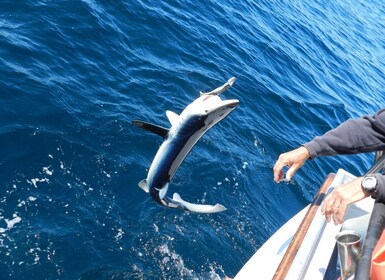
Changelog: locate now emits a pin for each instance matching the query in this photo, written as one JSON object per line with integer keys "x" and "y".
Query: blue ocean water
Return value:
{"x": 74, "y": 74}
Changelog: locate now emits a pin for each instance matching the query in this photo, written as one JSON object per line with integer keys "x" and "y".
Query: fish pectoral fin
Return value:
{"x": 198, "y": 208}
{"x": 143, "y": 185}
{"x": 158, "y": 130}
{"x": 174, "y": 118}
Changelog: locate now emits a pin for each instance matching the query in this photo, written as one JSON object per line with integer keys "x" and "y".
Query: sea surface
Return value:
{"x": 74, "y": 74}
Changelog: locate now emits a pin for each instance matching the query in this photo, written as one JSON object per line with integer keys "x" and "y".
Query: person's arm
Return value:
{"x": 353, "y": 136}
{"x": 362, "y": 135}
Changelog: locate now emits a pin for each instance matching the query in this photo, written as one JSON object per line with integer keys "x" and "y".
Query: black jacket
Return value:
{"x": 363, "y": 135}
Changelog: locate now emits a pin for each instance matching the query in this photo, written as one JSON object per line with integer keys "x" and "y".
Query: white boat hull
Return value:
{"x": 313, "y": 257}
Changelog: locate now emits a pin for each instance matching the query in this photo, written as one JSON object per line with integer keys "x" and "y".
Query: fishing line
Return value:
{"x": 285, "y": 28}
{"x": 268, "y": 46}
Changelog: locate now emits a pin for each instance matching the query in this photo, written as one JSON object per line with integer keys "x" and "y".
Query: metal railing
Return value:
{"x": 379, "y": 163}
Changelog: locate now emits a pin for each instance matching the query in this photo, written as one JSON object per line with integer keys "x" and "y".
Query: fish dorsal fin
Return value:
{"x": 143, "y": 185}
{"x": 161, "y": 131}
{"x": 173, "y": 117}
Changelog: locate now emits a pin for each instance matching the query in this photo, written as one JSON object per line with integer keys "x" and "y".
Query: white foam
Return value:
{"x": 13, "y": 222}
{"x": 245, "y": 164}
{"x": 47, "y": 171}
{"x": 119, "y": 235}
{"x": 22, "y": 203}
{"x": 37, "y": 180}
{"x": 10, "y": 223}
{"x": 156, "y": 228}
{"x": 107, "y": 174}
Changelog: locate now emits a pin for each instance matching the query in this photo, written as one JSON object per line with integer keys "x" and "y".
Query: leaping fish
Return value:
{"x": 186, "y": 129}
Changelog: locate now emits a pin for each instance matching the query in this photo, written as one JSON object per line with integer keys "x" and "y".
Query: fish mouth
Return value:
{"x": 232, "y": 103}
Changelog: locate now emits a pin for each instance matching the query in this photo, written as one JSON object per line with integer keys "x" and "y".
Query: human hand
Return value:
{"x": 293, "y": 159}
{"x": 340, "y": 198}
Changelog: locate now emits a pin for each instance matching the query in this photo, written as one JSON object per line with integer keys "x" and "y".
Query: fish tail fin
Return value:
{"x": 197, "y": 208}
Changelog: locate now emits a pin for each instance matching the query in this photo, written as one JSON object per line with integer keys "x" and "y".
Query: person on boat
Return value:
{"x": 366, "y": 134}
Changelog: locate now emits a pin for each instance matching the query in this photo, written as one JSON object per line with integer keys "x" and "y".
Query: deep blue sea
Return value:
{"x": 74, "y": 74}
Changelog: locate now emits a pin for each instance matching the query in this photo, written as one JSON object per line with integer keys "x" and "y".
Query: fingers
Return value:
{"x": 336, "y": 203}
{"x": 327, "y": 207}
{"x": 290, "y": 173}
{"x": 284, "y": 160}
{"x": 277, "y": 169}
{"x": 334, "y": 208}
{"x": 293, "y": 159}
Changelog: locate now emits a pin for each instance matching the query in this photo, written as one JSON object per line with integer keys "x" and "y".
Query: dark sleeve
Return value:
{"x": 366, "y": 134}
{"x": 380, "y": 187}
